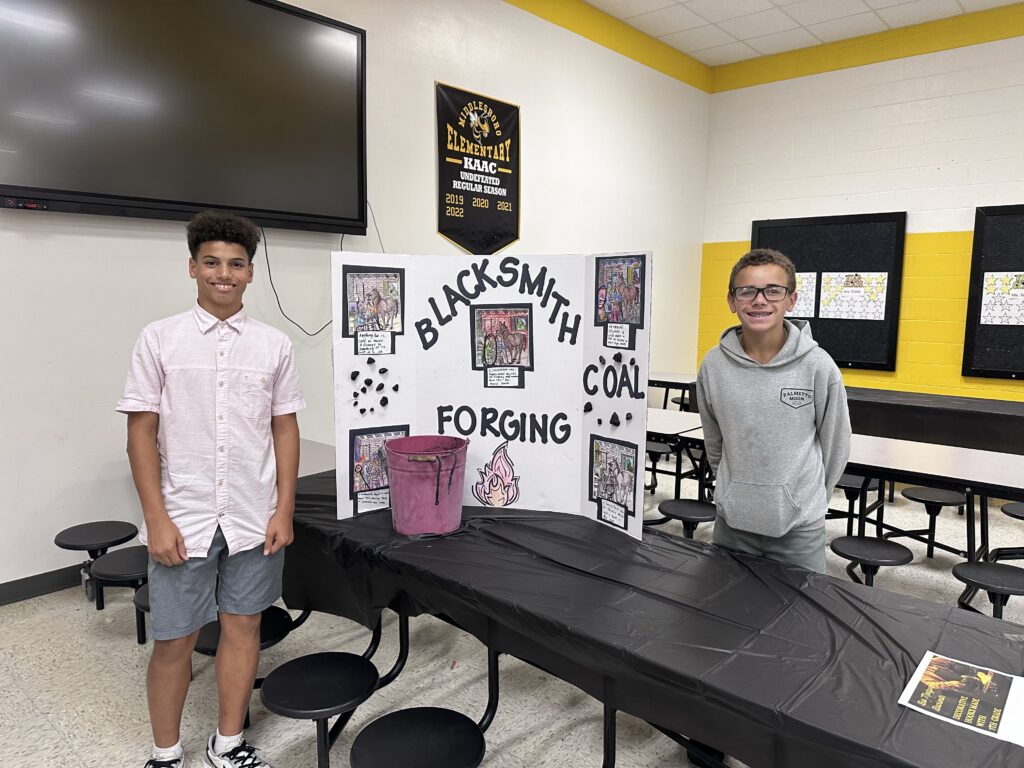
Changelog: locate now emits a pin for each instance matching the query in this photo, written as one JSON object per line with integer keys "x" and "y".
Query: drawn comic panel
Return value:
{"x": 1002, "y": 299}
{"x": 369, "y": 468}
{"x": 806, "y": 295}
{"x": 502, "y": 337}
{"x": 613, "y": 472}
{"x": 619, "y": 290}
{"x": 853, "y": 295}
{"x": 374, "y": 301}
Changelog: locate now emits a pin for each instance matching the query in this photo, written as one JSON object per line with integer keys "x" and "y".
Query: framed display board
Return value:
{"x": 994, "y": 333}
{"x": 849, "y": 273}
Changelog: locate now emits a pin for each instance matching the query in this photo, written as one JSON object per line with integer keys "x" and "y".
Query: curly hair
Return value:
{"x": 759, "y": 256}
{"x": 211, "y": 226}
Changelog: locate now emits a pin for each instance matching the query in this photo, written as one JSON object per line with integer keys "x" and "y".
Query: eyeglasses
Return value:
{"x": 749, "y": 292}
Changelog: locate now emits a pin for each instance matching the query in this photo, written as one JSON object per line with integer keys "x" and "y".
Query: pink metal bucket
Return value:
{"x": 426, "y": 475}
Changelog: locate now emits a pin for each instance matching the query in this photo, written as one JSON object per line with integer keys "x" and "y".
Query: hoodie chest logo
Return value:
{"x": 797, "y": 398}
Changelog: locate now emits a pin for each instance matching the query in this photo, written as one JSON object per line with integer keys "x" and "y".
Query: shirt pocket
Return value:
{"x": 257, "y": 395}
{"x": 763, "y": 508}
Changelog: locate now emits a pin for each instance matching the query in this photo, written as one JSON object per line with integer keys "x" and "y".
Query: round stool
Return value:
{"x": 656, "y": 450}
{"x": 421, "y": 737}
{"x": 851, "y": 486}
{"x": 1013, "y": 509}
{"x": 870, "y": 555}
{"x": 997, "y": 579}
{"x": 275, "y": 624}
{"x": 126, "y": 567}
{"x": 934, "y": 499}
{"x": 317, "y": 687}
{"x": 689, "y": 512}
{"x": 95, "y": 538}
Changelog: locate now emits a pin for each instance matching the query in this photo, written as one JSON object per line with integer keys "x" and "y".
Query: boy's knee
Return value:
{"x": 168, "y": 651}
{"x": 237, "y": 625}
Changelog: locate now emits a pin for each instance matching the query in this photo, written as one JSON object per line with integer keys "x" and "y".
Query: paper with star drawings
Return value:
{"x": 853, "y": 295}
{"x": 1002, "y": 298}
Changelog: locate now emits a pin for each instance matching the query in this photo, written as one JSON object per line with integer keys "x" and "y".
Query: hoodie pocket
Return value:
{"x": 765, "y": 509}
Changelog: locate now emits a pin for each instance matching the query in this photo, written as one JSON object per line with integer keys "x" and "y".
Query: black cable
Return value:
{"x": 266, "y": 255}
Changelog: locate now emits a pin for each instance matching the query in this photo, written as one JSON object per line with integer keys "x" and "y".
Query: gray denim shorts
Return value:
{"x": 182, "y": 598}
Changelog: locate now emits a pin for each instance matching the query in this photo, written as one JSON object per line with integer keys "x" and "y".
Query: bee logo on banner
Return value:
{"x": 477, "y": 170}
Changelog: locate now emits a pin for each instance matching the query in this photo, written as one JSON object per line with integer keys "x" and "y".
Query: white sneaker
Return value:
{"x": 242, "y": 756}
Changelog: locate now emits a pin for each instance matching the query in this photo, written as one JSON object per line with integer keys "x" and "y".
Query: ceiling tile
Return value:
{"x": 663, "y": 22}
{"x": 789, "y": 40}
{"x": 622, "y": 9}
{"x": 756, "y": 24}
{"x": 725, "y": 54}
{"x": 918, "y": 11}
{"x": 719, "y": 10}
{"x": 980, "y": 5}
{"x": 814, "y": 11}
{"x": 851, "y": 26}
{"x": 697, "y": 39}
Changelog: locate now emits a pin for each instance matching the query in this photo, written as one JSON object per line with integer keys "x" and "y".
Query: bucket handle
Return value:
{"x": 437, "y": 475}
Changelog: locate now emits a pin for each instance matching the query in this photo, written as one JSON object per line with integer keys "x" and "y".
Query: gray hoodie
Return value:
{"x": 777, "y": 436}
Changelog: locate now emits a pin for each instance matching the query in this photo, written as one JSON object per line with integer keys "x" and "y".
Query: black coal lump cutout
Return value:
{"x": 617, "y": 357}
{"x": 371, "y": 410}
{"x": 614, "y": 420}
{"x": 588, "y": 407}
{"x": 632, "y": 361}
{"x": 394, "y": 388}
{"x": 380, "y": 387}
{"x": 367, "y": 382}
{"x": 355, "y": 375}
{"x": 355, "y": 404}
{"x": 370, "y": 361}
{"x": 363, "y": 390}
{"x": 362, "y": 410}
{"x": 629, "y": 417}
{"x": 384, "y": 401}
{"x": 599, "y": 422}
{"x": 382, "y": 371}
{"x": 355, "y": 394}
{"x": 600, "y": 357}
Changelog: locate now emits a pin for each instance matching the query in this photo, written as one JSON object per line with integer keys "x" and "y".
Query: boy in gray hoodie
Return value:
{"x": 776, "y": 423}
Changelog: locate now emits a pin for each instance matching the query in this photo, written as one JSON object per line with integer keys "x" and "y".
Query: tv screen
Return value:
{"x": 161, "y": 108}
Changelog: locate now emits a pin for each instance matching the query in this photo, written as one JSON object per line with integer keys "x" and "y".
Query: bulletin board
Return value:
{"x": 994, "y": 333}
{"x": 849, "y": 274}
{"x": 541, "y": 362}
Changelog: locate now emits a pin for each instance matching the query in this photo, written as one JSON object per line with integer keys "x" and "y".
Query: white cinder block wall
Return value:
{"x": 935, "y": 135}
{"x": 614, "y": 158}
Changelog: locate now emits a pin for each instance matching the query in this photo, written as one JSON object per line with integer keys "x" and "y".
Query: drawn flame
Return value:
{"x": 499, "y": 485}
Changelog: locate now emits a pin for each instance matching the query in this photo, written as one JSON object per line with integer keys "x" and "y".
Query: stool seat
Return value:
{"x": 1013, "y": 509}
{"x": 319, "y": 685}
{"x": 937, "y": 496}
{"x": 99, "y": 535}
{"x": 275, "y": 624}
{"x": 141, "y": 598}
{"x": 850, "y": 482}
{"x": 688, "y": 510}
{"x": 122, "y": 565}
{"x": 421, "y": 737}
{"x": 654, "y": 446}
{"x": 878, "y": 552}
{"x": 991, "y": 577}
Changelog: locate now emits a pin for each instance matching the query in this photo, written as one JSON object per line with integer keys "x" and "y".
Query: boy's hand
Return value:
{"x": 166, "y": 544}
{"x": 279, "y": 533}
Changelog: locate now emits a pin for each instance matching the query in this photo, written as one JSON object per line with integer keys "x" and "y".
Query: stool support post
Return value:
{"x": 374, "y": 639}
{"x": 609, "y": 736}
{"x": 323, "y": 745}
{"x": 403, "y": 651}
{"x": 492, "y": 691}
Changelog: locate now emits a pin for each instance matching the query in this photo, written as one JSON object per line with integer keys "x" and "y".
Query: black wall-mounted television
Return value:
{"x": 161, "y": 108}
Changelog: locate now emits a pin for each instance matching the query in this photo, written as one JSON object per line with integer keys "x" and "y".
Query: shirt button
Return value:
{"x": 221, "y": 449}
{"x": 220, "y": 417}
{"x": 221, "y": 354}
{"x": 220, "y": 383}
{"x": 220, "y": 482}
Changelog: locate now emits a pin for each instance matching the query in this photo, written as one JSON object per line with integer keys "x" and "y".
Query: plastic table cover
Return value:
{"x": 775, "y": 665}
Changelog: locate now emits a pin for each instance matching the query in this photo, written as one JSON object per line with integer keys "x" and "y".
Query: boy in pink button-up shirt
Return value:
{"x": 213, "y": 442}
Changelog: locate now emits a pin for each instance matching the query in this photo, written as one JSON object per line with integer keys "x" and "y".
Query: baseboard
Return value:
{"x": 40, "y": 584}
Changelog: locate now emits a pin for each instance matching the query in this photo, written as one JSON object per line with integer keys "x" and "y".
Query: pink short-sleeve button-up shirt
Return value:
{"x": 215, "y": 384}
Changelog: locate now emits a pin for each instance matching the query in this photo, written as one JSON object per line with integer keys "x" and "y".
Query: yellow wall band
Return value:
{"x": 933, "y": 316}
{"x": 932, "y": 36}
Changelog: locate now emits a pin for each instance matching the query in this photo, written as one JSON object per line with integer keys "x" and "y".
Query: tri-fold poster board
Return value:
{"x": 541, "y": 362}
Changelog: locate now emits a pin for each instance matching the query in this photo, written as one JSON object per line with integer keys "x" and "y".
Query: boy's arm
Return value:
{"x": 285, "y": 432}
{"x": 166, "y": 544}
{"x": 834, "y": 434}
{"x": 712, "y": 432}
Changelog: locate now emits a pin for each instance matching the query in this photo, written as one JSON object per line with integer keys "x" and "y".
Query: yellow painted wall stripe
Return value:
{"x": 930, "y": 37}
{"x": 597, "y": 26}
{"x": 933, "y": 315}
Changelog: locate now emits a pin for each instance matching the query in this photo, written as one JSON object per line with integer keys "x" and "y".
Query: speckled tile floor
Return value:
{"x": 72, "y": 678}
